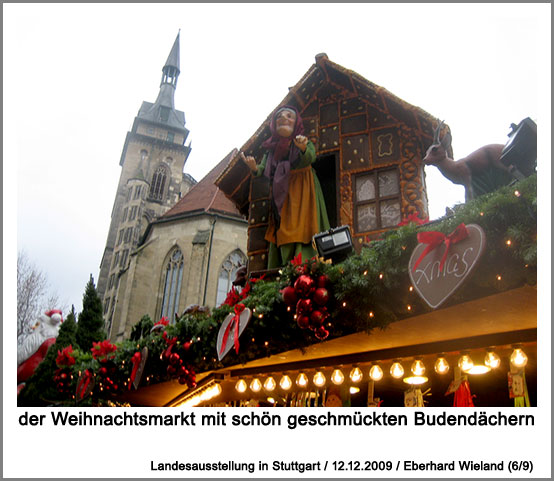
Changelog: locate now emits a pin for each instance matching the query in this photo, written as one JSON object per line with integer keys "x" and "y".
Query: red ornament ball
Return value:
{"x": 321, "y": 296}
{"x": 316, "y": 319}
{"x": 303, "y": 322}
{"x": 304, "y": 307}
{"x": 289, "y": 296}
{"x": 304, "y": 285}
{"x": 174, "y": 358}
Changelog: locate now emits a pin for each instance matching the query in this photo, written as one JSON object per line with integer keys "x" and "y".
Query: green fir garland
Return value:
{"x": 368, "y": 290}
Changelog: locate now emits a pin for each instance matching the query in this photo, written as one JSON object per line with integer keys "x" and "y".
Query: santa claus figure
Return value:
{"x": 33, "y": 350}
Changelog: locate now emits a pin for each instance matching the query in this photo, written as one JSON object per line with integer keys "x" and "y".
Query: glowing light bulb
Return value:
{"x": 376, "y": 373}
{"x": 396, "y": 370}
{"x": 518, "y": 358}
{"x": 356, "y": 374}
{"x": 465, "y": 363}
{"x": 441, "y": 365}
{"x": 337, "y": 377}
{"x": 302, "y": 380}
{"x": 492, "y": 359}
{"x": 418, "y": 368}
{"x": 285, "y": 383}
{"x": 319, "y": 379}
{"x": 270, "y": 384}
{"x": 255, "y": 385}
{"x": 354, "y": 389}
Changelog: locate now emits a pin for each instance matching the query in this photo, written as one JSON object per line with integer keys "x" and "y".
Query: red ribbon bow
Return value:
{"x": 234, "y": 322}
{"x": 434, "y": 239}
{"x": 136, "y": 363}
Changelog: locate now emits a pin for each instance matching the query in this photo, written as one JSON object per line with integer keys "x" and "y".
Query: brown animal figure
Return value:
{"x": 241, "y": 277}
{"x": 480, "y": 172}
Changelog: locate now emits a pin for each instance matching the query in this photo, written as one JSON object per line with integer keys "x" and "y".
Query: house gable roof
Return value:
{"x": 324, "y": 80}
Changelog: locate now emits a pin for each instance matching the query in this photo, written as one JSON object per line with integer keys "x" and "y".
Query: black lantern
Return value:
{"x": 334, "y": 244}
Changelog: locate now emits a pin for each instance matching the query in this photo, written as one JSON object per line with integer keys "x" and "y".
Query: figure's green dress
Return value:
{"x": 303, "y": 214}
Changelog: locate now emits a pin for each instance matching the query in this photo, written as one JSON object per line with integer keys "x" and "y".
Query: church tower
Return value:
{"x": 151, "y": 181}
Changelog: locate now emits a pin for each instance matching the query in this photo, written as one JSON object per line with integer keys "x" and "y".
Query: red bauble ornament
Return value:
{"x": 186, "y": 346}
{"x": 303, "y": 322}
{"x": 174, "y": 358}
{"x": 322, "y": 281}
{"x": 321, "y": 296}
{"x": 304, "y": 285}
{"x": 171, "y": 370}
{"x": 289, "y": 296}
{"x": 102, "y": 371}
{"x": 304, "y": 307}
{"x": 316, "y": 319}
{"x": 321, "y": 333}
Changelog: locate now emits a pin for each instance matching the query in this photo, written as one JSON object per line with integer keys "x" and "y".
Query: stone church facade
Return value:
{"x": 171, "y": 242}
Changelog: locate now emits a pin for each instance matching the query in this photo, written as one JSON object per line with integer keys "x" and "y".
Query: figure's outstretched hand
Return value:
{"x": 249, "y": 161}
{"x": 301, "y": 142}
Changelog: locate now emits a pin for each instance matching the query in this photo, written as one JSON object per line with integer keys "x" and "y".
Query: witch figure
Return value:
{"x": 297, "y": 204}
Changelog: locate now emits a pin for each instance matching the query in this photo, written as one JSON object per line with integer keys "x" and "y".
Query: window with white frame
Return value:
{"x": 377, "y": 200}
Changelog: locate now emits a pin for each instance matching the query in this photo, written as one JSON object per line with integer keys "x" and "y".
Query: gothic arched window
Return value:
{"x": 227, "y": 274}
{"x": 172, "y": 284}
{"x": 157, "y": 186}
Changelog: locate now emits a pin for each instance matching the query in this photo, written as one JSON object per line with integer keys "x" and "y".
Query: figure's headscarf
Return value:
{"x": 282, "y": 153}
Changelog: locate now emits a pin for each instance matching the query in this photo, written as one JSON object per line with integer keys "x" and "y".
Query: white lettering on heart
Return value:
{"x": 452, "y": 267}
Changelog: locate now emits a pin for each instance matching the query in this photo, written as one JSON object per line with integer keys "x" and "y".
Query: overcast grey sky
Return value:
{"x": 75, "y": 76}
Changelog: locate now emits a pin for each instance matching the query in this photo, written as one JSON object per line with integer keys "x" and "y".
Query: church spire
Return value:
{"x": 171, "y": 68}
{"x": 170, "y": 73}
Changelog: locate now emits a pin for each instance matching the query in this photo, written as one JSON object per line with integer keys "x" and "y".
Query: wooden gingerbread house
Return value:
{"x": 369, "y": 144}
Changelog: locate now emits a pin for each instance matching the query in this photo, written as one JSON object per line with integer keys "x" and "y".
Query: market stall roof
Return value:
{"x": 504, "y": 318}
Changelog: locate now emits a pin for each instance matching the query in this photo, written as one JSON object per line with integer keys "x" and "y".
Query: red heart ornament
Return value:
{"x": 435, "y": 286}
{"x": 244, "y": 318}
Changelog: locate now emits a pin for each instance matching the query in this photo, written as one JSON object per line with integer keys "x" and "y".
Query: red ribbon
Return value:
{"x": 136, "y": 363}
{"x": 170, "y": 344}
{"x": 462, "y": 396}
{"x": 83, "y": 384}
{"x": 234, "y": 322}
{"x": 434, "y": 239}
